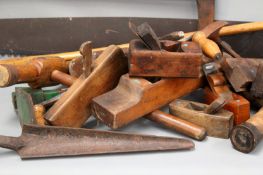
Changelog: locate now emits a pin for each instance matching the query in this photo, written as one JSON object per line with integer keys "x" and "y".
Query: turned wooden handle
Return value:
{"x": 68, "y": 56}
{"x": 180, "y": 125}
{"x": 62, "y": 78}
{"x": 13, "y": 74}
{"x": 209, "y": 47}
{"x": 241, "y": 28}
{"x": 37, "y": 72}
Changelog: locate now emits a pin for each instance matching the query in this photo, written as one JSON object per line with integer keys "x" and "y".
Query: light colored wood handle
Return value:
{"x": 68, "y": 56}
{"x": 39, "y": 114}
{"x": 209, "y": 47}
{"x": 62, "y": 78}
{"x": 257, "y": 120}
{"x": 178, "y": 124}
{"x": 13, "y": 74}
{"x": 241, "y": 28}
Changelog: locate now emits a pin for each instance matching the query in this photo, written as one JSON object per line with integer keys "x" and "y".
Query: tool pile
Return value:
{"x": 119, "y": 84}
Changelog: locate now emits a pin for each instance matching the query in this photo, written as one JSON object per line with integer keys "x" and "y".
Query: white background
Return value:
{"x": 212, "y": 156}
{"x": 237, "y": 10}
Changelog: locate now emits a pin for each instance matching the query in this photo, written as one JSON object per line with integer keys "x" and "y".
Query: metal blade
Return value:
{"x": 39, "y": 142}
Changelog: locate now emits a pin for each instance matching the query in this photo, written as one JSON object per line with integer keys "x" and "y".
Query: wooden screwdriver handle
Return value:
{"x": 209, "y": 47}
{"x": 178, "y": 124}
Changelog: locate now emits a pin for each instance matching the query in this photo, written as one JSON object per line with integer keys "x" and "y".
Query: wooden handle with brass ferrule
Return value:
{"x": 209, "y": 47}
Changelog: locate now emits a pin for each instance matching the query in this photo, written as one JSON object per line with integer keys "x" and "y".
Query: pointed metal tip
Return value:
{"x": 59, "y": 141}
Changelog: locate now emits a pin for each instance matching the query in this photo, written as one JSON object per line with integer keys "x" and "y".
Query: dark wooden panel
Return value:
{"x": 49, "y": 35}
{"x": 66, "y": 34}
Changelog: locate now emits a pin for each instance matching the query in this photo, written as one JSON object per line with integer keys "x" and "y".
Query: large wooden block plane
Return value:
{"x": 161, "y": 63}
{"x": 136, "y": 97}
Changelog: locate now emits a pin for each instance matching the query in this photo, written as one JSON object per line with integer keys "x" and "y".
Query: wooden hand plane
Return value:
{"x": 72, "y": 109}
{"x": 161, "y": 63}
{"x": 219, "y": 124}
{"x": 135, "y": 97}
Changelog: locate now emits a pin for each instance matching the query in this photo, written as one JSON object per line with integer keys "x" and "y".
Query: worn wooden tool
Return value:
{"x": 86, "y": 52}
{"x": 219, "y": 124}
{"x": 209, "y": 47}
{"x": 232, "y": 30}
{"x": 238, "y": 105}
{"x": 147, "y": 35}
{"x": 155, "y": 63}
{"x": 71, "y": 109}
{"x": 177, "y": 124}
{"x": 63, "y": 78}
{"x": 219, "y": 88}
{"x": 217, "y": 104}
{"x": 174, "y": 36}
{"x": 241, "y": 28}
{"x": 68, "y": 56}
{"x": 136, "y": 97}
{"x": 37, "y": 72}
{"x": 157, "y": 116}
{"x": 38, "y": 95}
{"x": 25, "y": 100}
{"x": 246, "y": 136}
{"x": 77, "y": 65}
{"x": 206, "y": 12}
{"x": 41, "y": 142}
{"x": 241, "y": 72}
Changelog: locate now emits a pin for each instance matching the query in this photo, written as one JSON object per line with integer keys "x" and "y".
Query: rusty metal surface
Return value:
{"x": 40, "y": 142}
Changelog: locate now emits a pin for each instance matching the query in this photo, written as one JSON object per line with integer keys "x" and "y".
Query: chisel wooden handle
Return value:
{"x": 180, "y": 125}
{"x": 209, "y": 47}
{"x": 246, "y": 136}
